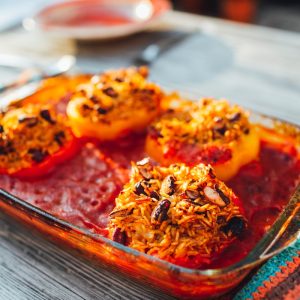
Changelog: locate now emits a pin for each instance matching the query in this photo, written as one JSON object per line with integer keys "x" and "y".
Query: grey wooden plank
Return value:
{"x": 34, "y": 268}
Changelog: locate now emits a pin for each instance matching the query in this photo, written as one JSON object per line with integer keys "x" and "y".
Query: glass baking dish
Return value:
{"x": 175, "y": 280}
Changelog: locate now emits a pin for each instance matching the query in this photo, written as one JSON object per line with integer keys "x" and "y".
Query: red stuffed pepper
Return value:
{"x": 181, "y": 214}
{"x": 33, "y": 140}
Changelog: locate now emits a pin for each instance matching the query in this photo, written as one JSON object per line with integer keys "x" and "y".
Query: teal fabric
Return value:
{"x": 267, "y": 270}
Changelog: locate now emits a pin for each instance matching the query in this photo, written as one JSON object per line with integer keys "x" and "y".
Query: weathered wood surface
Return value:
{"x": 256, "y": 67}
{"x": 32, "y": 267}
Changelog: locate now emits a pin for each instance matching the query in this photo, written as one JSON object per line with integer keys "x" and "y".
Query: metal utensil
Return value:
{"x": 64, "y": 64}
{"x": 148, "y": 55}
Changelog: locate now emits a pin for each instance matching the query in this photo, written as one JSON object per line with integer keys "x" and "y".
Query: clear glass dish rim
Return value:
{"x": 246, "y": 263}
{"x": 243, "y": 264}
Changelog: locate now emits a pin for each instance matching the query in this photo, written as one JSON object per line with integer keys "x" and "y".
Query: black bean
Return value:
{"x": 59, "y": 137}
{"x": 10, "y": 147}
{"x": 235, "y": 117}
{"x": 235, "y": 226}
{"x": 6, "y": 148}
{"x": 94, "y": 99}
{"x": 221, "y": 220}
{"x": 37, "y": 154}
{"x": 101, "y": 111}
{"x": 193, "y": 202}
{"x": 45, "y": 114}
{"x": 154, "y": 195}
{"x": 170, "y": 110}
{"x": 246, "y": 130}
{"x": 140, "y": 189}
{"x": 168, "y": 185}
{"x": 222, "y": 195}
{"x": 30, "y": 121}
{"x": 160, "y": 212}
{"x": 119, "y": 236}
{"x": 86, "y": 107}
{"x": 201, "y": 213}
{"x": 120, "y": 213}
{"x": 3, "y": 150}
{"x": 148, "y": 91}
{"x": 220, "y": 130}
{"x": 110, "y": 92}
{"x": 211, "y": 173}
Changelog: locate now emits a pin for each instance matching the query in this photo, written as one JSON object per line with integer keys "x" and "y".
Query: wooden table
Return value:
{"x": 254, "y": 66}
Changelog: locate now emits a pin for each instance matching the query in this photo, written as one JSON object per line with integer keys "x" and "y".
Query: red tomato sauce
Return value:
{"x": 264, "y": 187}
{"x": 82, "y": 191}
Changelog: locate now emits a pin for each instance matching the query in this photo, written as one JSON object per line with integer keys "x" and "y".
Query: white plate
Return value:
{"x": 96, "y": 19}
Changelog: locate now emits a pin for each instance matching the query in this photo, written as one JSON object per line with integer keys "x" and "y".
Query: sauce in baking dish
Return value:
{"x": 83, "y": 190}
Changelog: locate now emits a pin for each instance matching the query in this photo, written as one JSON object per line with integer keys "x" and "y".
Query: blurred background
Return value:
{"x": 283, "y": 14}
{"x": 252, "y": 65}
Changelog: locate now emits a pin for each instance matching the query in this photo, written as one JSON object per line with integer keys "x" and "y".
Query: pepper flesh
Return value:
{"x": 214, "y": 133}
{"x": 114, "y": 104}
{"x": 33, "y": 140}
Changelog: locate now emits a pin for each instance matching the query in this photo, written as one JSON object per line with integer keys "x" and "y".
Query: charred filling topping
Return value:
{"x": 28, "y": 135}
{"x": 176, "y": 211}
{"x": 117, "y": 95}
{"x": 206, "y": 122}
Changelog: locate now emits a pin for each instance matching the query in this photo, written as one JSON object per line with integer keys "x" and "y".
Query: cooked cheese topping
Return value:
{"x": 28, "y": 135}
{"x": 176, "y": 212}
{"x": 116, "y": 95}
